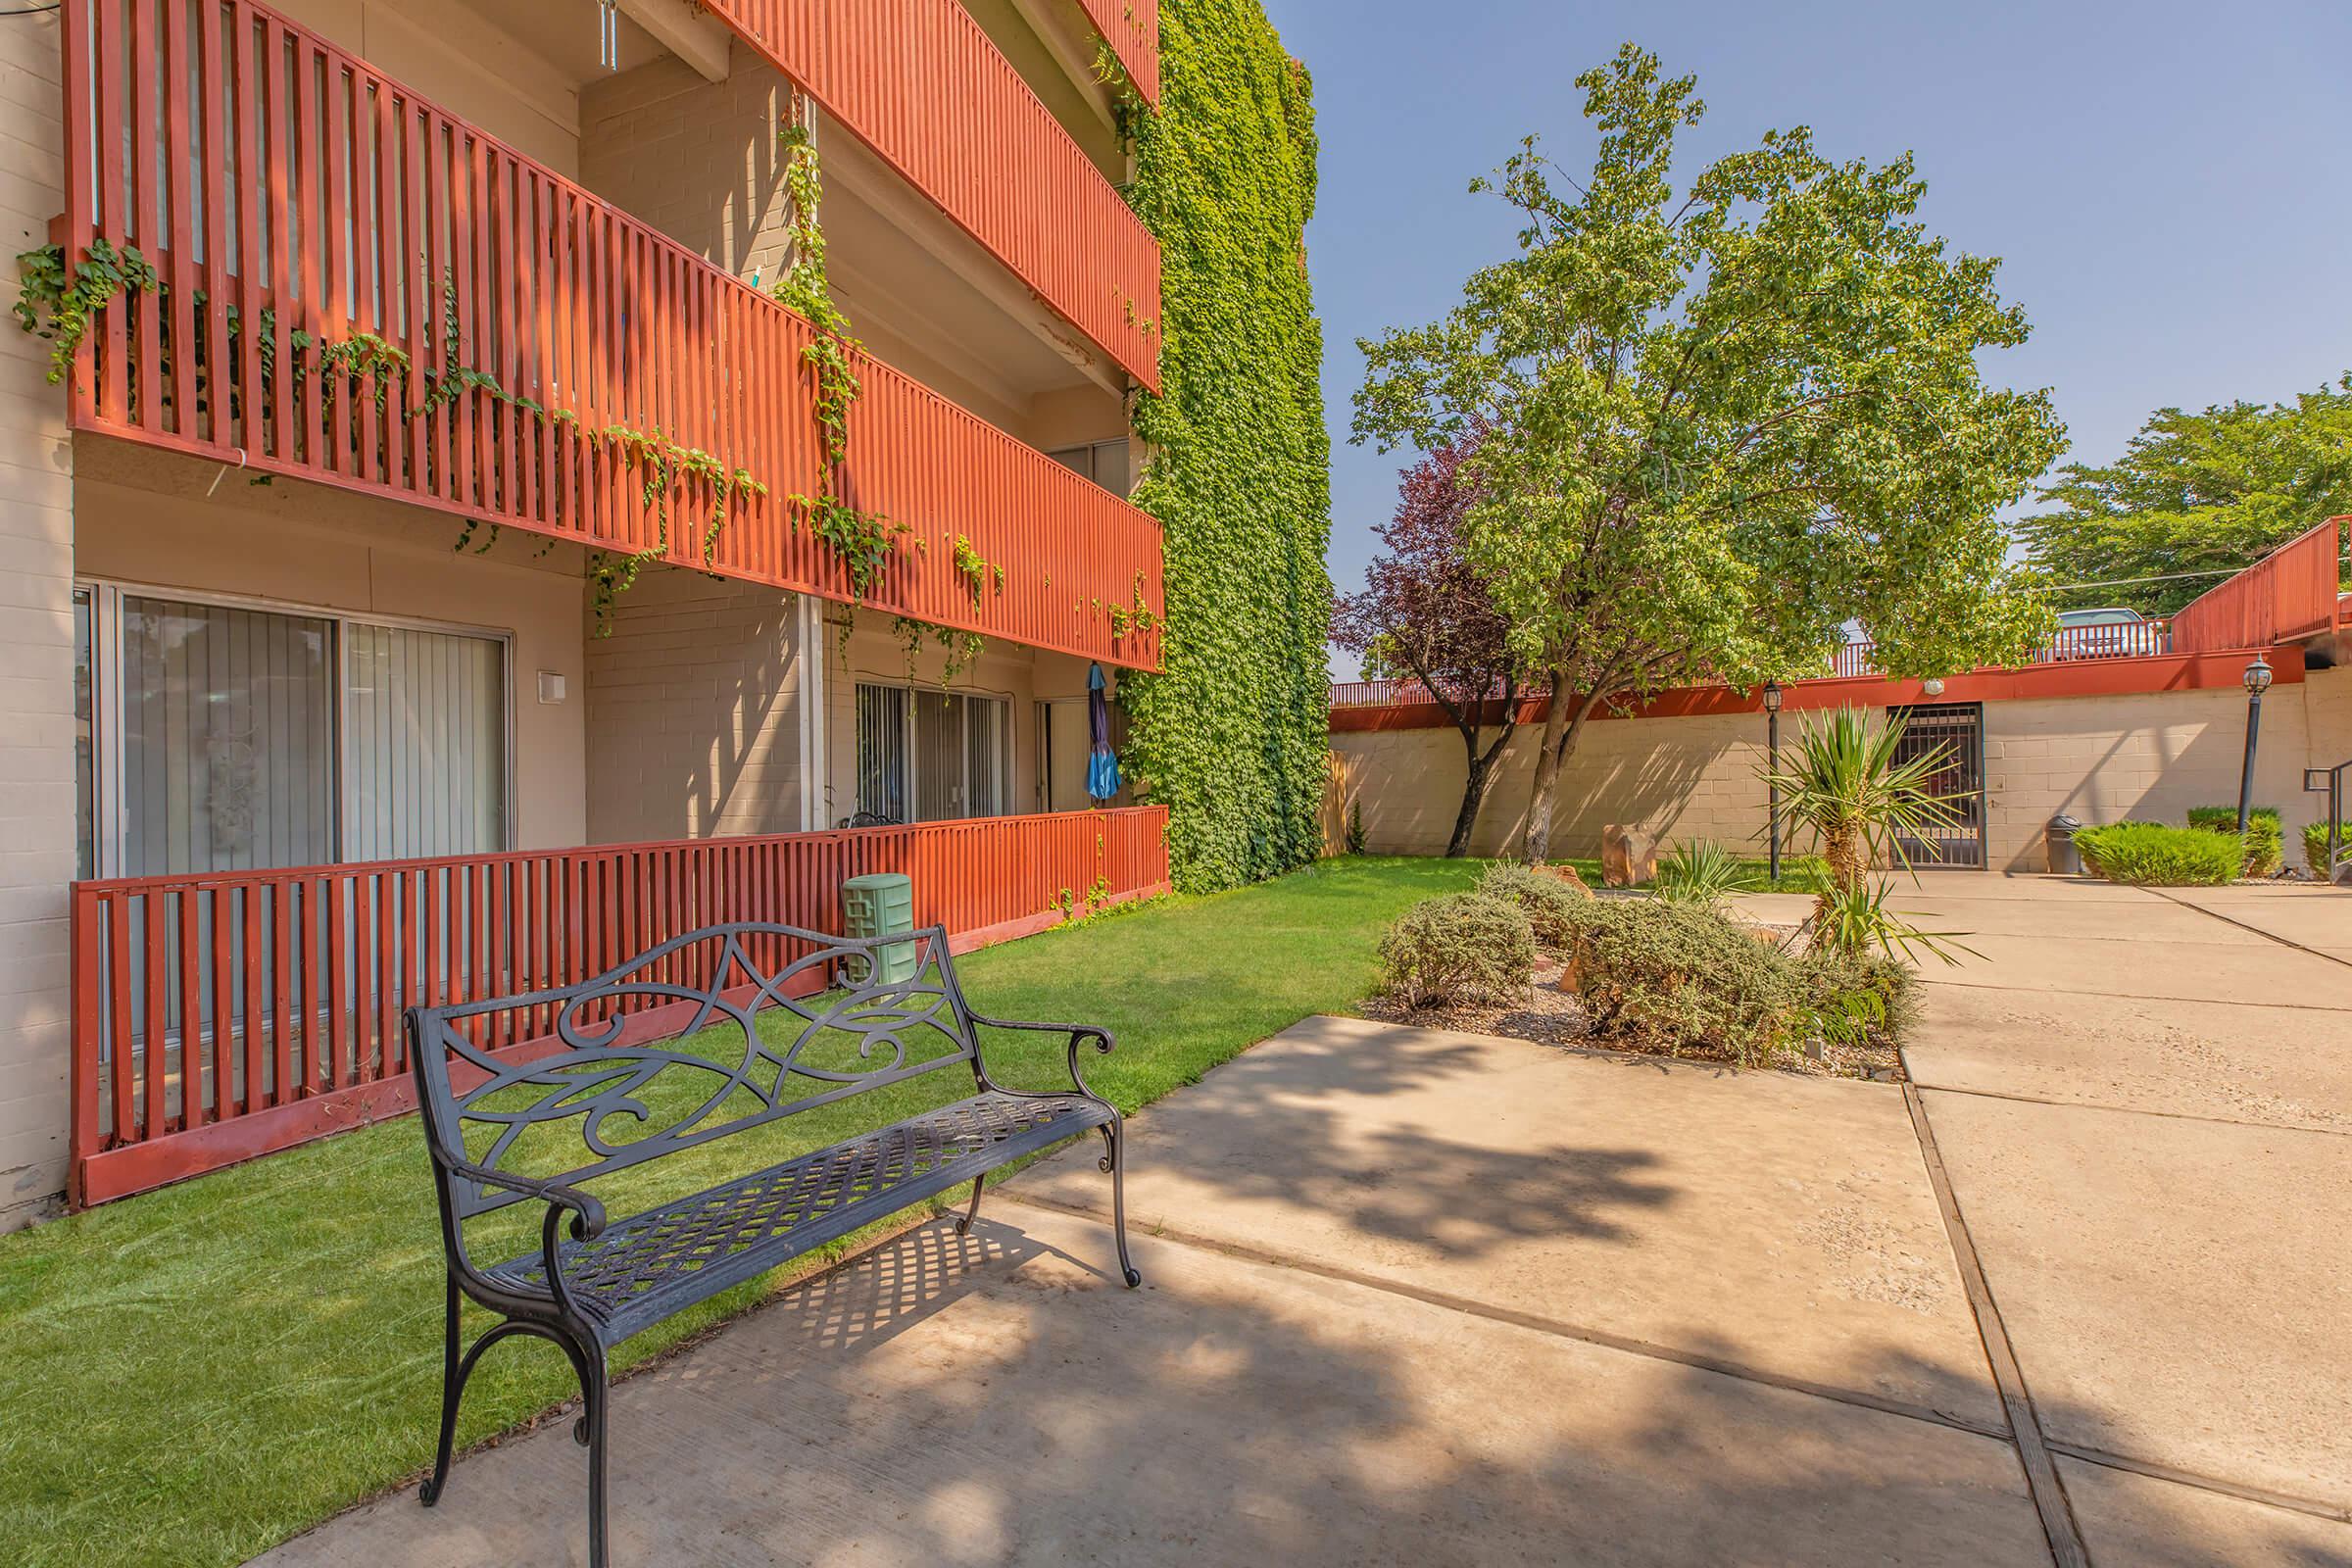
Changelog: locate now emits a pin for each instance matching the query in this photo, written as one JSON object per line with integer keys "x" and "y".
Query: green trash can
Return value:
{"x": 876, "y": 906}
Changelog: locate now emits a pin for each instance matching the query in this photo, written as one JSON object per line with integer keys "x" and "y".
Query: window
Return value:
{"x": 1105, "y": 462}
{"x": 928, "y": 756}
{"x": 215, "y": 736}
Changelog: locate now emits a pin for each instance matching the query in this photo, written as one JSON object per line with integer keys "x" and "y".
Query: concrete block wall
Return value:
{"x": 2151, "y": 755}
{"x": 692, "y": 715}
{"x": 36, "y": 654}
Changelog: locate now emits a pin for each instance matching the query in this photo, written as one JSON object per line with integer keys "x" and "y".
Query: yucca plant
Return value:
{"x": 1701, "y": 872}
{"x": 1860, "y": 799}
{"x": 1854, "y": 920}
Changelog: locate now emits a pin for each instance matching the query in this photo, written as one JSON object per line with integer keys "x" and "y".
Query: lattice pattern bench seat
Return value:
{"x": 644, "y": 1268}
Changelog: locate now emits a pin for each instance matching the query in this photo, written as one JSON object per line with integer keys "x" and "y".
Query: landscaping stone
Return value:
{"x": 1628, "y": 856}
{"x": 1561, "y": 873}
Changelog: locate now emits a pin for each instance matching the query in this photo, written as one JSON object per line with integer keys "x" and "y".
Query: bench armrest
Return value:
{"x": 587, "y": 1213}
{"x": 1079, "y": 1034}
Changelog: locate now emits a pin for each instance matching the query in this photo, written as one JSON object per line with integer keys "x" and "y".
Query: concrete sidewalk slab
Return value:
{"x": 2000, "y": 888}
{"x": 1763, "y": 1220}
{"x": 2203, "y": 970}
{"x": 2176, "y": 1290}
{"x": 999, "y": 1398}
{"x": 2141, "y": 1522}
{"x": 2310, "y": 915}
{"x": 2290, "y": 1066}
{"x": 2106, "y": 920}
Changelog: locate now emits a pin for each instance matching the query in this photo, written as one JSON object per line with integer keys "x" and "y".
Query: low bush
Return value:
{"x": 1463, "y": 946}
{"x": 2266, "y": 840}
{"x": 2155, "y": 854}
{"x": 1858, "y": 996}
{"x": 2314, "y": 846}
{"x": 1549, "y": 903}
{"x": 1680, "y": 978}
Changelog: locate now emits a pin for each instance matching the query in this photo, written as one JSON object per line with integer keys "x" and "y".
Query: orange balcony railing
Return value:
{"x": 2288, "y": 595}
{"x": 1132, "y": 29}
{"x": 922, "y": 84}
{"x": 358, "y": 288}
{"x": 221, "y": 1016}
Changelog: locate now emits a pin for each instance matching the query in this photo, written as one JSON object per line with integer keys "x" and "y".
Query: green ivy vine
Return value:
{"x": 1233, "y": 735}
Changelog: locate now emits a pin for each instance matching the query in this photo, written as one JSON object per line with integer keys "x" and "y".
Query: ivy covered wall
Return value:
{"x": 1233, "y": 735}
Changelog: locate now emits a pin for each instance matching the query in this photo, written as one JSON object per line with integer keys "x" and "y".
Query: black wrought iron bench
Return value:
{"x": 735, "y": 1051}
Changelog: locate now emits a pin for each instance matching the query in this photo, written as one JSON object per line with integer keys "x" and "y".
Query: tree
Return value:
{"x": 1718, "y": 427}
{"x": 2207, "y": 493}
{"x": 1426, "y": 613}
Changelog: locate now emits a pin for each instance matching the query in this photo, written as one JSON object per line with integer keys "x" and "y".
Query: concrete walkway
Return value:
{"x": 1423, "y": 1298}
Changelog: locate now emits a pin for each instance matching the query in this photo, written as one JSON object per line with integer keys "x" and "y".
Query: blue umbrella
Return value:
{"x": 1102, "y": 763}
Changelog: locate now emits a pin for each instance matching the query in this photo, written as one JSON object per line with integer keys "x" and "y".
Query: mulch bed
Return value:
{"x": 1551, "y": 1016}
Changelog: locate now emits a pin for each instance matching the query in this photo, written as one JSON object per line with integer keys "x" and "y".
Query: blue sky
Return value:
{"x": 2170, "y": 185}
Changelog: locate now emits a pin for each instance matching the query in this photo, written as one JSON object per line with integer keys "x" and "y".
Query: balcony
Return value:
{"x": 1130, "y": 27}
{"x": 358, "y": 288}
{"x": 920, "y": 83}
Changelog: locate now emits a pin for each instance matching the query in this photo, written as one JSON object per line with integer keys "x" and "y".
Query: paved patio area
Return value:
{"x": 1414, "y": 1297}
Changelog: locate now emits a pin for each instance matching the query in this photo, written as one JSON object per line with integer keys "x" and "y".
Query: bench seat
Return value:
{"x": 650, "y": 1265}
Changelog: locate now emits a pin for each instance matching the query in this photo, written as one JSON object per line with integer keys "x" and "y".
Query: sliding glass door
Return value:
{"x": 216, "y": 736}
{"x": 928, "y": 756}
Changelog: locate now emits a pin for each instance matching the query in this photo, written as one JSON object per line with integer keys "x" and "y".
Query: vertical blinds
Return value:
{"x": 424, "y": 715}
{"x": 228, "y": 738}
{"x": 932, "y": 756}
{"x": 244, "y": 745}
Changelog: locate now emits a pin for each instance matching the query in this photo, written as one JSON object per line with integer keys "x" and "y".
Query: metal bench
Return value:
{"x": 708, "y": 1036}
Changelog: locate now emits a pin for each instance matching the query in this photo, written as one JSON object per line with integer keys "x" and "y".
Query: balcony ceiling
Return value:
{"x": 564, "y": 34}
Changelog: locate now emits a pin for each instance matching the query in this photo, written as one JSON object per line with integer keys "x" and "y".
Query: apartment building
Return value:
{"x": 451, "y": 564}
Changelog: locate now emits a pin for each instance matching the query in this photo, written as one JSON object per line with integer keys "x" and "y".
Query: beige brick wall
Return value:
{"x": 2151, "y": 755}
{"x": 694, "y": 711}
{"x": 36, "y": 656}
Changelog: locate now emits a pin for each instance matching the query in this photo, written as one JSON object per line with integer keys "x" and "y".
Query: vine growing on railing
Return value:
{"x": 57, "y": 306}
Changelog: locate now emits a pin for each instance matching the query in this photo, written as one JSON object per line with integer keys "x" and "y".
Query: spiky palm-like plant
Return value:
{"x": 1859, "y": 797}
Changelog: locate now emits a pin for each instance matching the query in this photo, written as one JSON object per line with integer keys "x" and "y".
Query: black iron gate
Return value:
{"x": 1954, "y": 733}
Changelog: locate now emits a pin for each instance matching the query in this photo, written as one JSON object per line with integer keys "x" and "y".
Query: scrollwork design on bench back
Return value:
{"x": 627, "y": 1092}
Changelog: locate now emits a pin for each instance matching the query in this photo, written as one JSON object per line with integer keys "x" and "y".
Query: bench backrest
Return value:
{"x": 618, "y": 1070}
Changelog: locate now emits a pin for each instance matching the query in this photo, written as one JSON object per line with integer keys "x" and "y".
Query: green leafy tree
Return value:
{"x": 2206, "y": 493}
{"x": 1719, "y": 423}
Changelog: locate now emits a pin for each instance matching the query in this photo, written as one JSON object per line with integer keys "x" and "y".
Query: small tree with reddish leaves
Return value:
{"x": 1426, "y": 613}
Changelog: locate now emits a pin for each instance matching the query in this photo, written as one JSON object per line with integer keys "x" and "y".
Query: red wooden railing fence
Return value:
{"x": 920, "y": 82}
{"x": 298, "y": 203}
{"x": 2288, "y": 595}
{"x": 1132, "y": 29}
{"x": 221, "y": 1016}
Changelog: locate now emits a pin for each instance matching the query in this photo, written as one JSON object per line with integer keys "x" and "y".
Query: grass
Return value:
{"x": 191, "y": 1375}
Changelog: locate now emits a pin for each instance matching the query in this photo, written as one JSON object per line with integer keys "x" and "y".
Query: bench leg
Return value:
{"x": 598, "y": 1390}
{"x": 964, "y": 1226}
{"x": 1114, "y": 1135}
{"x": 453, "y": 1387}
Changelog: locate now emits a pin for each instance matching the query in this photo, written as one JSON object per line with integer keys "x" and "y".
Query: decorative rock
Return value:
{"x": 1628, "y": 856}
{"x": 1562, "y": 873}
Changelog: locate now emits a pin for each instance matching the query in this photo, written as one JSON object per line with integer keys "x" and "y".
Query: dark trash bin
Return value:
{"x": 2059, "y": 840}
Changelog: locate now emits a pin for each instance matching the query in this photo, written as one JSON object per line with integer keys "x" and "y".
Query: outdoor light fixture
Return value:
{"x": 1932, "y": 686}
{"x": 1772, "y": 741}
{"x": 2257, "y": 681}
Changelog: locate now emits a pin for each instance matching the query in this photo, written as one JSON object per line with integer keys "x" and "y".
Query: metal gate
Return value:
{"x": 1953, "y": 732}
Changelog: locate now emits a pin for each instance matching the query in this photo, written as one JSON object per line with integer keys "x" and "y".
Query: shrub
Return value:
{"x": 1549, "y": 903}
{"x": 1681, "y": 977}
{"x": 2154, "y": 855}
{"x": 1701, "y": 872}
{"x": 2266, "y": 847}
{"x": 1858, "y": 996}
{"x": 2314, "y": 846}
{"x": 1463, "y": 946}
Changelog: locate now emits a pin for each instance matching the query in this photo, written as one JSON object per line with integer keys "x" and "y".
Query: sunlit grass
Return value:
{"x": 191, "y": 1375}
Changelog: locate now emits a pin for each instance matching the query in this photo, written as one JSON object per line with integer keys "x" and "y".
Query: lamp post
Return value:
{"x": 1772, "y": 741}
{"x": 2257, "y": 681}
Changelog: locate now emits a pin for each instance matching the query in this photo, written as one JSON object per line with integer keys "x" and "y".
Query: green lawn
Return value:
{"x": 191, "y": 1375}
